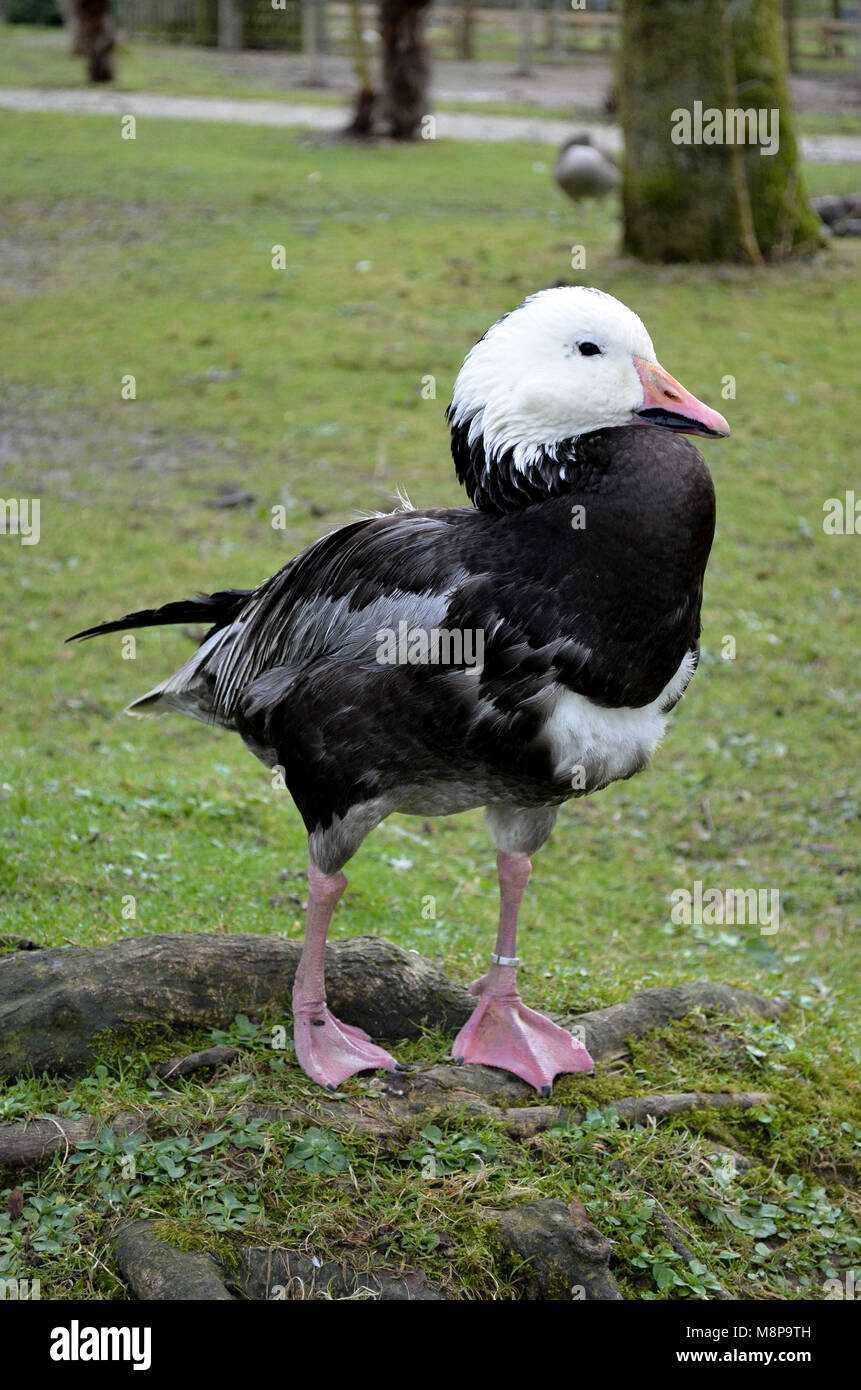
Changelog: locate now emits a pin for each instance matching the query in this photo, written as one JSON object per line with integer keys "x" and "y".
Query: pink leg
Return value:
{"x": 502, "y": 1032}
{"x": 328, "y": 1051}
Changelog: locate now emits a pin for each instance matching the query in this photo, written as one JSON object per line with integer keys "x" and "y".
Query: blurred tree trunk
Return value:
{"x": 229, "y": 24}
{"x": 93, "y": 36}
{"x": 790, "y": 14}
{"x": 526, "y": 39}
{"x": 312, "y": 40}
{"x": 366, "y": 97}
{"x": 406, "y": 66}
{"x": 466, "y": 44}
{"x": 555, "y": 30}
{"x": 703, "y": 201}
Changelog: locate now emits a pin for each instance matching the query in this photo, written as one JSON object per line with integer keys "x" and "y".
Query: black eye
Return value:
{"x": 589, "y": 350}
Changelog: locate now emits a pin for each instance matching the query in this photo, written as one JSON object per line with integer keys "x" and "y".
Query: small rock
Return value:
{"x": 19, "y": 943}
{"x": 15, "y": 1204}
{"x": 840, "y": 212}
{"x": 567, "y": 1258}
{"x": 212, "y": 374}
{"x": 156, "y": 1272}
{"x": 290, "y": 1275}
{"x": 231, "y": 499}
{"x": 740, "y": 1161}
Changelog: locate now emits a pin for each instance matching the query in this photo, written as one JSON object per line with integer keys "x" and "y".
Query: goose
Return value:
{"x": 512, "y": 654}
{"x": 582, "y": 171}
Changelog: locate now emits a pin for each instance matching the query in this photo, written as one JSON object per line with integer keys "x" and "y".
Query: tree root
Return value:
{"x": 156, "y": 1272}
{"x": 55, "y": 1003}
{"x": 18, "y": 943}
{"x": 402, "y": 1103}
{"x": 605, "y": 1031}
{"x": 207, "y": 1060}
{"x": 36, "y": 1141}
{"x": 633, "y": 1110}
{"x": 290, "y": 1275}
{"x": 412, "y": 1100}
{"x": 555, "y": 1252}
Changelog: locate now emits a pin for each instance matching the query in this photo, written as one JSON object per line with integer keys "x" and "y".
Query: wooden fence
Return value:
{"x": 517, "y": 31}
{"x": 258, "y": 24}
{"x": 506, "y": 31}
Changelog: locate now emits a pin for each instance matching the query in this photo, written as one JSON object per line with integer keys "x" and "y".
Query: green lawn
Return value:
{"x": 152, "y": 258}
{"x": 38, "y": 57}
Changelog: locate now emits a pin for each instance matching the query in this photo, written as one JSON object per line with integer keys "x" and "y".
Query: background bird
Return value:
{"x": 573, "y": 582}
{"x": 582, "y": 171}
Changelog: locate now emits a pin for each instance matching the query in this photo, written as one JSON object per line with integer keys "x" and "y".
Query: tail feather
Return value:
{"x": 188, "y": 690}
{"x": 219, "y": 608}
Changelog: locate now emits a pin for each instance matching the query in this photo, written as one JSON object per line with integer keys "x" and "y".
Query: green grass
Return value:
{"x": 36, "y": 57}
{"x": 152, "y": 258}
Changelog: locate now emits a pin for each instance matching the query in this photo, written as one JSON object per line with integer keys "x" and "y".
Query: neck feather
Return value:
{"x": 502, "y": 484}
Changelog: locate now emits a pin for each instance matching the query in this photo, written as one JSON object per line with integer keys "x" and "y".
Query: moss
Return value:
{"x": 784, "y": 221}
{"x": 690, "y": 202}
{"x": 199, "y": 1238}
{"x": 156, "y": 1040}
{"x": 588, "y": 1092}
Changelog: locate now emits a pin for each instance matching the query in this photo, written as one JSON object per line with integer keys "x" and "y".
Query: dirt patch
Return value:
{"x": 47, "y": 442}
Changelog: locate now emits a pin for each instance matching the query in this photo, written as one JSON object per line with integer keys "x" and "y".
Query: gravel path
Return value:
{"x": 824, "y": 149}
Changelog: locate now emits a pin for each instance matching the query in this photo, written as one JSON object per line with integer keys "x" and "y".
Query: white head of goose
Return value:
{"x": 543, "y": 634}
{"x": 566, "y": 363}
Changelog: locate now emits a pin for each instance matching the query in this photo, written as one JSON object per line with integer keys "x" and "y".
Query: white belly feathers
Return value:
{"x": 592, "y": 745}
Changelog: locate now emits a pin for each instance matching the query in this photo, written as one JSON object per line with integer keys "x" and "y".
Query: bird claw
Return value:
{"x": 503, "y": 1032}
{"x": 330, "y": 1051}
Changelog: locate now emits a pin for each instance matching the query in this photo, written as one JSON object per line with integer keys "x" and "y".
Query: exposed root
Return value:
{"x": 55, "y": 1003}
{"x": 35, "y": 1141}
{"x": 156, "y": 1272}
{"x": 207, "y": 1060}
